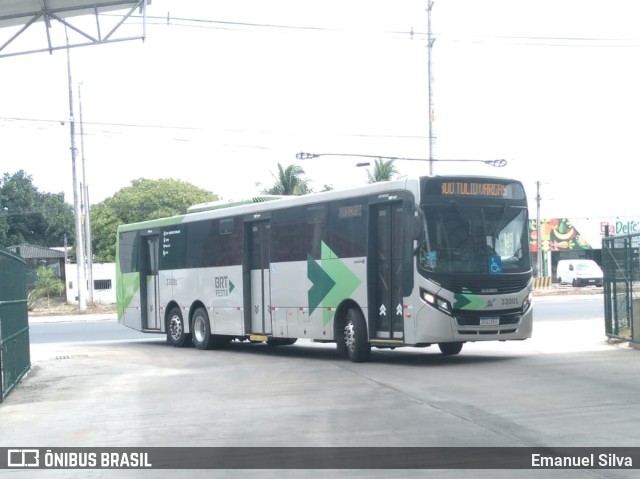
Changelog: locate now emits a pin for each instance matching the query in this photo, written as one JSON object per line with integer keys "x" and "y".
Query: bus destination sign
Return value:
{"x": 473, "y": 188}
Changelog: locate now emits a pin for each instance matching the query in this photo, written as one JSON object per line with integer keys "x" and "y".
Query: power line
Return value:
{"x": 51, "y": 123}
{"x": 188, "y": 21}
{"x": 131, "y": 125}
{"x": 524, "y": 40}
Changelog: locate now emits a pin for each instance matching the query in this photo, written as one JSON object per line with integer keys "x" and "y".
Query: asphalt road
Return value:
{"x": 554, "y": 309}
{"x": 84, "y": 331}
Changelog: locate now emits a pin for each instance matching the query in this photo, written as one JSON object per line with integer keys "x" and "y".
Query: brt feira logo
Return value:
{"x": 223, "y": 285}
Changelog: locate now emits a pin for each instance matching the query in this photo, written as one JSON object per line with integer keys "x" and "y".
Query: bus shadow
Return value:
{"x": 307, "y": 350}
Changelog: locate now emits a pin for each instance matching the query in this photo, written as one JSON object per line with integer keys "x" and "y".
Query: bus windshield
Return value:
{"x": 478, "y": 239}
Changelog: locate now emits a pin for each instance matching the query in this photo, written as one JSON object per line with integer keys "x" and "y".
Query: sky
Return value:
{"x": 224, "y": 91}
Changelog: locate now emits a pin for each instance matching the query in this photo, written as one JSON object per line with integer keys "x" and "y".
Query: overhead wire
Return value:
{"x": 531, "y": 40}
{"x": 112, "y": 129}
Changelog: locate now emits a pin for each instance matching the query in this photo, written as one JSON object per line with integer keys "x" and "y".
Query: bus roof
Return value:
{"x": 214, "y": 205}
{"x": 263, "y": 203}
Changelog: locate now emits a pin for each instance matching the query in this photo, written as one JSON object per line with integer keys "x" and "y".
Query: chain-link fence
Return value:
{"x": 14, "y": 322}
{"x": 621, "y": 268}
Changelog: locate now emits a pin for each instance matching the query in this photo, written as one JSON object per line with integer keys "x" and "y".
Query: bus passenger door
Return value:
{"x": 149, "y": 285}
{"x": 260, "y": 277}
{"x": 385, "y": 271}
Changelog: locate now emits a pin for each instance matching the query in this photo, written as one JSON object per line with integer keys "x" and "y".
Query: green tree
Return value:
{"x": 383, "y": 170}
{"x": 58, "y": 220}
{"x": 4, "y": 225}
{"x": 289, "y": 181}
{"x": 30, "y": 216}
{"x": 143, "y": 200}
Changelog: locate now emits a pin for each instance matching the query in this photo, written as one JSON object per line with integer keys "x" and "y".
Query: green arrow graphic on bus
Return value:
{"x": 464, "y": 301}
{"x": 322, "y": 283}
{"x": 332, "y": 282}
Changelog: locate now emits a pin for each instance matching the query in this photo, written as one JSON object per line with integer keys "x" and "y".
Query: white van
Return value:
{"x": 579, "y": 272}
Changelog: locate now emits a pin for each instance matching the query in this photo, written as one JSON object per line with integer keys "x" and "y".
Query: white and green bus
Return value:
{"x": 415, "y": 262}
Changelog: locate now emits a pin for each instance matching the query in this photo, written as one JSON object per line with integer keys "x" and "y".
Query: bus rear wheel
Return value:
{"x": 201, "y": 329}
{"x": 202, "y": 337}
{"x": 355, "y": 337}
{"x": 449, "y": 349}
{"x": 176, "y": 335}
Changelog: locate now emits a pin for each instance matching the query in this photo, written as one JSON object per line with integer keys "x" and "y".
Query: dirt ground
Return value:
{"x": 57, "y": 307}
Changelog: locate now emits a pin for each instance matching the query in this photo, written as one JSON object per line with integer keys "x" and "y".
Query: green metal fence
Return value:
{"x": 621, "y": 268}
{"x": 14, "y": 322}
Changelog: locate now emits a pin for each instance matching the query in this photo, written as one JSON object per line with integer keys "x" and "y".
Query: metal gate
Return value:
{"x": 621, "y": 268}
{"x": 14, "y": 322}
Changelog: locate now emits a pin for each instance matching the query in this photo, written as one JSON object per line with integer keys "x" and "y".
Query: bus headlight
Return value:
{"x": 435, "y": 301}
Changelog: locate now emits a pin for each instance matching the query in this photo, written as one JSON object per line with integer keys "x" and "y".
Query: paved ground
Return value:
{"x": 567, "y": 386}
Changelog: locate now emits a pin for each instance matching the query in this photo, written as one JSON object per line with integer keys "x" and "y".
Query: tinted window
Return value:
{"x": 298, "y": 232}
{"x": 128, "y": 252}
{"x": 214, "y": 243}
{"x": 228, "y": 242}
{"x": 201, "y": 251}
{"x": 348, "y": 234}
{"x": 173, "y": 245}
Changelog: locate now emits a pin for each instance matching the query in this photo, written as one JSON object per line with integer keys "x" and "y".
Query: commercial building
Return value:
{"x": 576, "y": 238}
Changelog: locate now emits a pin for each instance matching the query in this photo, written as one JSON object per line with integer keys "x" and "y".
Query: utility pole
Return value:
{"x": 539, "y": 254}
{"x": 85, "y": 201}
{"x": 82, "y": 303}
{"x": 430, "y": 41}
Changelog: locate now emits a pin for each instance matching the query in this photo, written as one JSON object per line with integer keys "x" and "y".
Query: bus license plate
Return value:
{"x": 489, "y": 321}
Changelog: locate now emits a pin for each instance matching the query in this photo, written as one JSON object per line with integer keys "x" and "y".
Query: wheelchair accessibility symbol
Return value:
{"x": 495, "y": 264}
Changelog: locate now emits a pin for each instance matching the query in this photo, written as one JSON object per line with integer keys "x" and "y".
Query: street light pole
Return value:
{"x": 430, "y": 41}
{"x": 82, "y": 304}
{"x": 539, "y": 258}
{"x": 84, "y": 191}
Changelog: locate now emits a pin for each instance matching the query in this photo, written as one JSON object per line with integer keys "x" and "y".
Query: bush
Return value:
{"x": 46, "y": 285}
{"x": 34, "y": 300}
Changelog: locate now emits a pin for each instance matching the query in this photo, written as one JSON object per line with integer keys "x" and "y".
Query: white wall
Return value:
{"x": 593, "y": 229}
{"x": 104, "y": 280}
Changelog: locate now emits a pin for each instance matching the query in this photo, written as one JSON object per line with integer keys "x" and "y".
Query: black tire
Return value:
{"x": 449, "y": 349}
{"x": 281, "y": 341}
{"x": 355, "y": 337}
{"x": 201, "y": 332}
{"x": 574, "y": 283}
{"x": 559, "y": 281}
{"x": 176, "y": 335}
{"x": 201, "y": 329}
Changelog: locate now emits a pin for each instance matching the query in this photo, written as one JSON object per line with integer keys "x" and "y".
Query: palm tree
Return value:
{"x": 383, "y": 170}
{"x": 290, "y": 181}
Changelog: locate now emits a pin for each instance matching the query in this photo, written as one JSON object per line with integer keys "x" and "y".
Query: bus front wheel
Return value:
{"x": 355, "y": 337}
{"x": 449, "y": 349}
{"x": 176, "y": 335}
